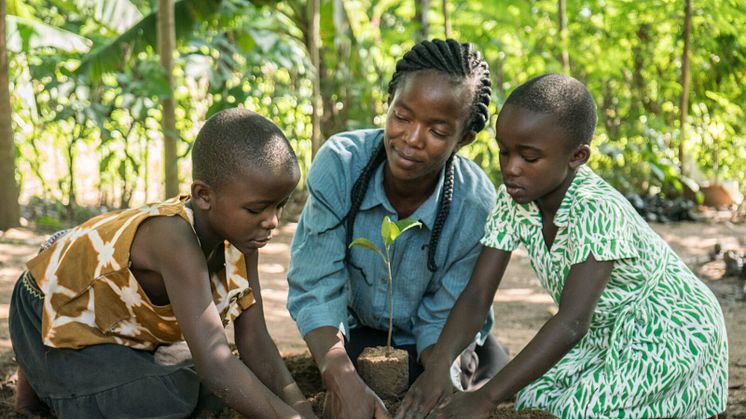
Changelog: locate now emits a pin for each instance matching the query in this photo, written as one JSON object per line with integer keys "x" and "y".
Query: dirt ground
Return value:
{"x": 521, "y": 306}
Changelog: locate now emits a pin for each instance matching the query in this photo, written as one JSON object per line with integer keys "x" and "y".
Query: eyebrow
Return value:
{"x": 522, "y": 146}
{"x": 432, "y": 121}
{"x": 268, "y": 201}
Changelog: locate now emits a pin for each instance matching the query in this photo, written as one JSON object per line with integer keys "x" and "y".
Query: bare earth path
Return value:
{"x": 521, "y": 306}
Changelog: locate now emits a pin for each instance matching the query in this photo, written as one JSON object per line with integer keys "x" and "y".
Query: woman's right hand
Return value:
{"x": 432, "y": 387}
{"x": 348, "y": 396}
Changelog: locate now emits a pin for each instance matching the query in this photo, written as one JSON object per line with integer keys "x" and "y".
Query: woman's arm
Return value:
{"x": 585, "y": 283}
{"x": 259, "y": 352}
{"x": 347, "y": 394}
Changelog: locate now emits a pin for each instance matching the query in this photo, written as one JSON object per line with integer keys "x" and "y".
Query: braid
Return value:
{"x": 358, "y": 193}
{"x": 443, "y": 207}
{"x": 460, "y": 61}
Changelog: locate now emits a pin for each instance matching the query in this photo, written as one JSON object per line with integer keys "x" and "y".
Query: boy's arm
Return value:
{"x": 585, "y": 283}
{"x": 259, "y": 352}
{"x": 167, "y": 245}
{"x": 464, "y": 321}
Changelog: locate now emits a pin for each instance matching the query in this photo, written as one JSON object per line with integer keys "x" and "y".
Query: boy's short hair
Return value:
{"x": 236, "y": 139}
{"x": 563, "y": 96}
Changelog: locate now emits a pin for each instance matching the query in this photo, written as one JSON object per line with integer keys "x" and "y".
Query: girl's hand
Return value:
{"x": 464, "y": 405}
{"x": 430, "y": 389}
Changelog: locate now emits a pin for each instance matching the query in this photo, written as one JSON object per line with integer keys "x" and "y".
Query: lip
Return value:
{"x": 258, "y": 242}
{"x": 406, "y": 161}
{"x": 513, "y": 188}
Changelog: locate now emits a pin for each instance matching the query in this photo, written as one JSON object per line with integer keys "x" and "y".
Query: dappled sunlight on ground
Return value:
{"x": 521, "y": 305}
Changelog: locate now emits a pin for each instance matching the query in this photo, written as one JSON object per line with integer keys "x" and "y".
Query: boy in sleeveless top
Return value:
{"x": 98, "y": 304}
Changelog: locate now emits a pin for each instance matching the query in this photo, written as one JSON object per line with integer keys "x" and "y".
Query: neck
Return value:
{"x": 550, "y": 203}
{"x": 407, "y": 195}
{"x": 208, "y": 240}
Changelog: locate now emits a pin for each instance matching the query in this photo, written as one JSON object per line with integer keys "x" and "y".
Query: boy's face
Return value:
{"x": 248, "y": 206}
{"x": 536, "y": 158}
{"x": 425, "y": 125}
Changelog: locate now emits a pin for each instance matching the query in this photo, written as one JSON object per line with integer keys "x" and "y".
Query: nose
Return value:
{"x": 415, "y": 137}
{"x": 272, "y": 220}
{"x": 511, "y": 167}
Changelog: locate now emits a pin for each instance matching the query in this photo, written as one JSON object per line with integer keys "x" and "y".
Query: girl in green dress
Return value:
{"x": 637, "y": 335}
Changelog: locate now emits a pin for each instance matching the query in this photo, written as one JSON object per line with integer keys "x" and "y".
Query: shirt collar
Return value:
{"x": 426, "y": 212}
{"x": 529, "y": 213}
{"x": 561, "y": 219}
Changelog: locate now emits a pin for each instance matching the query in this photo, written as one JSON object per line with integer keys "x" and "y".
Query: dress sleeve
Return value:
{"x": 602, "y": 228}
{"x": 500, "y": 229}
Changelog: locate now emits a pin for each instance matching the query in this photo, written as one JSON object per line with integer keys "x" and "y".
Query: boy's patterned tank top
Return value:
{"x": 92, "y": 297}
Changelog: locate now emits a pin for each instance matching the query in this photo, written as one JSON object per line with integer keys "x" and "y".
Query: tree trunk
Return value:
{"x": 446, "y": 20}
{"x": 9, "y": 209}
{"x": 420, "y": 16}
{"x": 166, "y": 46}
{"x": 562, "y": 15}
{"x": 684, "y": 105}
{"x": 314, "y": 45}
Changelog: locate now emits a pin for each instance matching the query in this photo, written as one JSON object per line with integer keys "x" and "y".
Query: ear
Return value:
{"x": 580, "y": 156}
{"x": 202, "y": 195}
{"x": 467, "y": 139}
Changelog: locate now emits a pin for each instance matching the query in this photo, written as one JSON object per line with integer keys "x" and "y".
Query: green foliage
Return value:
{"x": 86, "y": 81}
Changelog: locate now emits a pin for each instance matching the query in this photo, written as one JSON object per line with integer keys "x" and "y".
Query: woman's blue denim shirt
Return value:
{"x": 326, "y": 291}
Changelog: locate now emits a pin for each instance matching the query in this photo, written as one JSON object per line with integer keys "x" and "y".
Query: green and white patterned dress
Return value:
{"x": 657, "y": 345}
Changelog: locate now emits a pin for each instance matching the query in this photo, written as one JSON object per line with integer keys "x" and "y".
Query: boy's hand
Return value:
{"x": 349, "y": 397}
{"x": 431, "y": 388}
{"x": 464, "y": 405}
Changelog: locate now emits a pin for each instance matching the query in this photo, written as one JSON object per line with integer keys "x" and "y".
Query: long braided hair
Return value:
{"x": 461, "y": 62}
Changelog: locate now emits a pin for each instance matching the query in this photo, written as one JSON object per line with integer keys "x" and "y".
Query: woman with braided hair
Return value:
{"x": 438, "y": 100}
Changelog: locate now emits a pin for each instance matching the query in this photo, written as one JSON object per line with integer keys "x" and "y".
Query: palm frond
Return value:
{"x": 115, "y": 54}
{"x": 25, "y": 34}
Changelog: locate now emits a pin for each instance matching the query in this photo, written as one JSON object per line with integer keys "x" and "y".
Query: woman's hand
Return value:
{"x": 305, "y": 409}
{"x": 464, "y": 405}
{"x": 432, "y": 388}
{"x": 349, "y": 397}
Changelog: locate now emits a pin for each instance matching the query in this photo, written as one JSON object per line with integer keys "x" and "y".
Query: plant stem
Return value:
{"x": 391, "y": 303}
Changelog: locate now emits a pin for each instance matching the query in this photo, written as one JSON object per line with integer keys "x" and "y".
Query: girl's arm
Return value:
{"x": 259, "y": 352}
{"x": 464, "y": 321}
{"x": 167, "y": 245}
{"x": 585, "y": 283}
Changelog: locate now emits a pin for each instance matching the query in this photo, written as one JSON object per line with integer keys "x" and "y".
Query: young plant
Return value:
{"x": 390, "y": 231}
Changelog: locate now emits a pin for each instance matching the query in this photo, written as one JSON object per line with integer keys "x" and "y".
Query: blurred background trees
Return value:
{"x": 97, "y": 88}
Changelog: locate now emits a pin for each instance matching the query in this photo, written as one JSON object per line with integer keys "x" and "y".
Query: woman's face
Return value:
{"x": 425, "y": 124}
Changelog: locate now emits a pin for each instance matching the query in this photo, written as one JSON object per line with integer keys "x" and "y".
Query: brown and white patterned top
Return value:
{"x": 91, "y": 296}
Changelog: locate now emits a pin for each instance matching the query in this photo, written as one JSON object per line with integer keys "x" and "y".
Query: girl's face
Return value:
{"x": 536, "y": 159}
{"x": 425, "y": 124}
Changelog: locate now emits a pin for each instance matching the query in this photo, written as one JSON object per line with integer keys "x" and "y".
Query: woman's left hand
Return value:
{"x": 464, "y": 405}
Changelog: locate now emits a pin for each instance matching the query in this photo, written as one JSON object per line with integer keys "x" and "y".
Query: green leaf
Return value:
{"x": 28, "y": 34}
{"x": 117, "y": 15}
{"x": 389, "y": 231}
{"x": 113, "y": 55}
{"x": 406, "y": 224}
{"x": 367, "y": 244}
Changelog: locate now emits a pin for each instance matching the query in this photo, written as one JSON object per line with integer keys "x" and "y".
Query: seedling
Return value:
{"x": 390, "y": 231}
